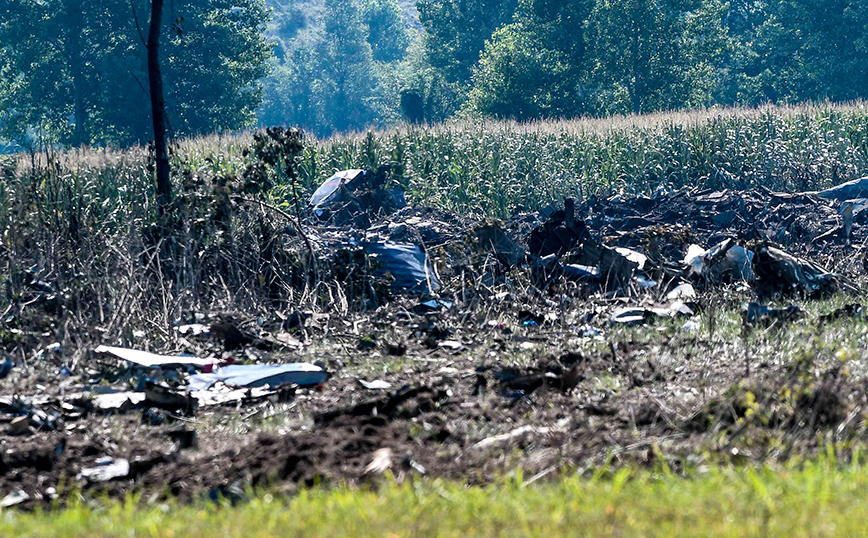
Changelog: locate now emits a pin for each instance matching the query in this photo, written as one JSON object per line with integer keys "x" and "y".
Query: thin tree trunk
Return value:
{"x": 75, "y": 41}
{"x": 158, "y": 107}
{"x": 634, "y": 57}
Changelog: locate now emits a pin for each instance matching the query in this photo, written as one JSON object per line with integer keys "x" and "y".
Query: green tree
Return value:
{"x": 287, "y": 20}
{"x": 45, "y": 79}
{"x": 216, "y": 58}
{"x": 455, "y": 32}
{"x": 658, "y": 54}
{"x": 427, "y": 96}
{"x": 387, "y": 32}
{"x": 560, "y": 25}
{"x": 635, "y": 48}
{"x": 345, "y": 88}
{"x": 288, "y": 90}
{"x": 813, "y": 50}
{"x": 345, "y": 74}
{"x": 706, "y": 49}
{"x": 78, "y": 69}
{"x": 518, "y": 78}
{"x": 533, "y": 68}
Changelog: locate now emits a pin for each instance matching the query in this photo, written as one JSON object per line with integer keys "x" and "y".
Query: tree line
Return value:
{"x": 75, "y": 70}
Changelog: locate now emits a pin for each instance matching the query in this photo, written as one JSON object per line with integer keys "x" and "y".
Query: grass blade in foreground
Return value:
{"x": 818, "y": 499}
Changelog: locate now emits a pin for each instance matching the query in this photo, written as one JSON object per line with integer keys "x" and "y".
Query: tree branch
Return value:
{"x": 138, "y": 26}
{"x": 295, "y": 224}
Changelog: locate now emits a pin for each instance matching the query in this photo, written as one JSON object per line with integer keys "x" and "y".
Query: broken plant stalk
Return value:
{"x": 296, "y": 224}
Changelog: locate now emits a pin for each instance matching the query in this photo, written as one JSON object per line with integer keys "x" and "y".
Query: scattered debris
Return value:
{"x": 586, "y": 331}
{"x": 288, "y": 340}
{"x": 6, "y": 367}
{"x": 778, "y": 271}
{"x": 258, "y": 375}
{"x": 333, "y": 190}
{"x": 226, "y": 396}
{"x": 757, "y": 314}
{"x": 106, "y": 469}
{"x": 450, "y": 345}
{"x": 353, "y": 196}
{"x": 683, "y": 292}
{"x": 858, "y": 188}
{"x": 381, "y": 462}
{"x": 431, "y": 306}
{"x": 560, "y": 234}
{"x": 151, "y": 360}
{"x": 15, "y": 498}
{"x": 377, "y": 384}
{"x": 194, "y": 329}
{"x": 555, "y": 273}
{"x": 169, "y": 399}
{"x": 723, "y": 262}
{"x": 409, "y": 464}
{"x": 495, "y": 240}
{"x": 396, "y": 350}
{"x": 118, "y": 401}
{"x": 529, "y": 319}
{"x": 691, "y": 326}
{"x": 19, "y": 426}
{"x": 407, "y": 265}
{"x": 493, "y": 441}
{"x": 641, "y": 315}
{"x": 234, "y": 338}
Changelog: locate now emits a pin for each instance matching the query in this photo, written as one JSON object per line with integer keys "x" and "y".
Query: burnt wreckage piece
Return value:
{"x": 563, "y": 237}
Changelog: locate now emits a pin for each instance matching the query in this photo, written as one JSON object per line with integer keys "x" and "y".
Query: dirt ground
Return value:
{"x": 515, "y": 372}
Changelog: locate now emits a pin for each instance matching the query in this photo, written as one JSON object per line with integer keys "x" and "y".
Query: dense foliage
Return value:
{"x": 74, "y": 71}
{"x": 341, "y": 77}
{"x": 537, "y": 59}
{"x": 494, "y": 167}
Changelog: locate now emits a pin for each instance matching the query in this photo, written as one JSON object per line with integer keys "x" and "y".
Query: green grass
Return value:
{"x": 490, "y": 167}
{"x": 812, "y": 499}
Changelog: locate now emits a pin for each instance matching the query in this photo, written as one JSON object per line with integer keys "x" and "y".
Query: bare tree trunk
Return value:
{"x": 158, "y": 107}
{"x": 75, "y": 42}
{"x": 634, "y": 67}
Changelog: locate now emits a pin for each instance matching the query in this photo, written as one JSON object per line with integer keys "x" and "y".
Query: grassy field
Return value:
{"x": 810, "y": 499}
{"x": 489, "y": 168}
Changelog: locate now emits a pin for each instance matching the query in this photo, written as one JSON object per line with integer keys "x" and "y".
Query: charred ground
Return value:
{"x": 521, "y": 361}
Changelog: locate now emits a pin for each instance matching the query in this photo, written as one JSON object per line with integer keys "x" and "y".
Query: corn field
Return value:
{"x": 84, "y": 217}
{"x": 490, "y": 168}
